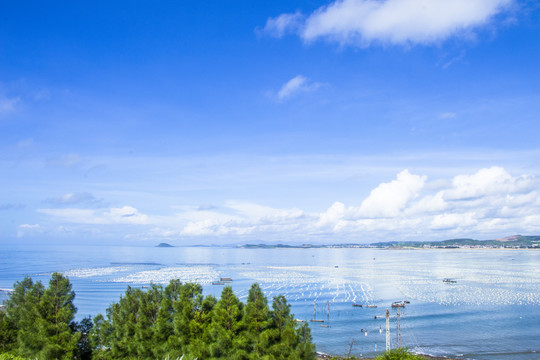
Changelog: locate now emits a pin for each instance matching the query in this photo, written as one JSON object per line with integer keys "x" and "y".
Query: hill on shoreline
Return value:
{"x": 514, "y": 241}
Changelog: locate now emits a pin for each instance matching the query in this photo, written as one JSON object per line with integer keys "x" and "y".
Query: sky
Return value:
{"x": 226, "y": 122}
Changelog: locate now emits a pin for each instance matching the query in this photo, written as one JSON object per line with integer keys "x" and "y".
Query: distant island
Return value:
{"x": 510, "y": 242}
{"x": 164, "y": 245}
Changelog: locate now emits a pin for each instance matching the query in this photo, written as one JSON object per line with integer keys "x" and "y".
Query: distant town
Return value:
{"x": 510, "y": 242}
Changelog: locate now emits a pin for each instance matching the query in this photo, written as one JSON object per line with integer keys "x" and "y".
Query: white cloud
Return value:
{"x": 296, "y": 85}
{"x": 429, "y": 204}
{"x": 487, "y": 203}
{"x": 490, "y": 201}
{"x": 388, "y": 199}
{"x": 362, "y": 22}
{"x": 282, "y": 24}
{"x": 490, "y": 181}
{"x": 452, "y": 221}
{"x": 248, "y": 218}
{"x": 126, "y": 215}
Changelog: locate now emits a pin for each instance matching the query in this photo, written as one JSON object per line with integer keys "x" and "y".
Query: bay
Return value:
{"x": 492, "y": 311}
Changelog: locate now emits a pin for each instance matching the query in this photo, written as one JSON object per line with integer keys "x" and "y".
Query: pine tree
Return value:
{"x": 123, "y": 317}
{"x": 100, "y": 336}
{"x": 226, "y": 323}
{"x": 305, "y": 349}
{"x": 164, "y": 327}
{"x": 256, "y": 317}
{"x": 57, "y": 311}
{"x": 84, "y": 346}
{"x": 146, "y": 319}
{"x": 178, "y": 321}
{"x": 8, "y": 333}
{"x": 200, "y": 329}
{"x": 22, "y": 311}
{"x": 185, "y": 308}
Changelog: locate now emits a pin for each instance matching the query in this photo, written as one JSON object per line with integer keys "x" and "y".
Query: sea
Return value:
{"x": 489, "y": 310}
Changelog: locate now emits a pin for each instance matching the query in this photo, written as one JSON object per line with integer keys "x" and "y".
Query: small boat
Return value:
{"x": 449, "y": 281}
{"x": 398, "y": 305}
{"x": 357, "y": 305}
{"x": 326, "y": 326}
{"x": 315, "y": 320}
{"x": 371, "y": 306}
{"x": 225, "y": 279}
{"x": 298, "y": 320}
{"x": 218, "y": 283}
{"x": 406, "y": 302}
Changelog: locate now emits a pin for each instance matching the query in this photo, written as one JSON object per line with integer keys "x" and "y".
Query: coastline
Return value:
{"x": 321, "y": 356}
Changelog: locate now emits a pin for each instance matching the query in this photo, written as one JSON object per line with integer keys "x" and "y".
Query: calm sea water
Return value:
{"x": 491, "y": 312}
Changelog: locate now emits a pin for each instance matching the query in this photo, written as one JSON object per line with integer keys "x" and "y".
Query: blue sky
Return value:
{"x": 306, "y": 121}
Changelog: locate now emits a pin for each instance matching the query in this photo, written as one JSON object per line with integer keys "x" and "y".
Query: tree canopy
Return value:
{"x": 155, "y": 323}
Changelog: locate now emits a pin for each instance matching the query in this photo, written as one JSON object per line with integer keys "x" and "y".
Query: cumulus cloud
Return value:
{"x": 388, "y": 199}
{"x": 490, "y": 202}
{"x": 486, "y": 202}
{"x": 452, "y": 221}
{"x": 405, "y": 206}
{"x": 362, "y": 22}
{"x": 296, "y": 85}
{"x": 490, "y": 181}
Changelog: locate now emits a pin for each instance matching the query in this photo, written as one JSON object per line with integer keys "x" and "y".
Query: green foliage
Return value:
{"x": 37, "y": 320}
{"x": 84, "y": 345}
{"x": 398, "y": 354}
{"x": 8, "y": 333}
{"x": 179, "y": 321}
{"x": 175, "y": 322}
{"x": 57, "y": 311}
{"x": 7, "y": 356}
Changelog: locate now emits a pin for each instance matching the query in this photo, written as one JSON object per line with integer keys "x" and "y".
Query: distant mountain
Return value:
{"x": 164, "y": 245}
{"x": 515, "y": 241}
{"x": 518, "y": 241}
